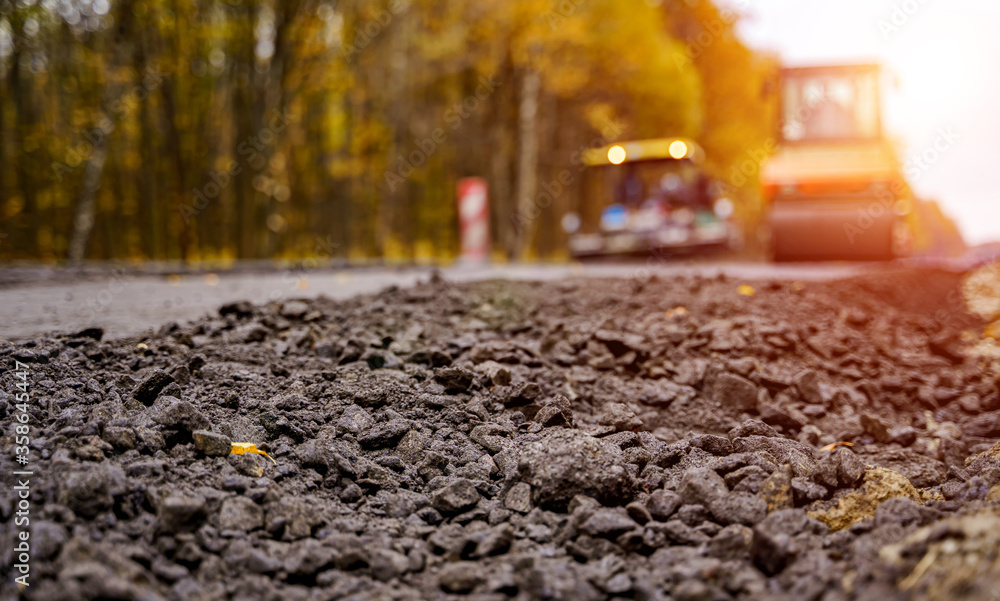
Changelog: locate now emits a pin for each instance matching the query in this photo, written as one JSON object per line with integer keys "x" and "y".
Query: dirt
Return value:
{"x": 675, "y": 439}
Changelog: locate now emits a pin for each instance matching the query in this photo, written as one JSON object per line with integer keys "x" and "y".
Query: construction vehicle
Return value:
{"x": 835, "y": 188}
{"x": 648, "y": 196}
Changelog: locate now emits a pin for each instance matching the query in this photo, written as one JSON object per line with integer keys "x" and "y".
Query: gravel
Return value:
{"x": 576, "y": 439}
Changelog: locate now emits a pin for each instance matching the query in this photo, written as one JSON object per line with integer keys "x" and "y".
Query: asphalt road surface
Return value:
{"x": 34, "y": 302}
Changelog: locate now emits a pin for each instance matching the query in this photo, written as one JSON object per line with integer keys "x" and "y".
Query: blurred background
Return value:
{"x": 209, "y": 131}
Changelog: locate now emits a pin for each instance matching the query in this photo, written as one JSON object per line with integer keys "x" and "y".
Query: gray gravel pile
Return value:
{"x": 575, "y": 440}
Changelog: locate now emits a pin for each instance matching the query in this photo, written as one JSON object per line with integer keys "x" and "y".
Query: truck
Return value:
{"x": 649, "y": 196}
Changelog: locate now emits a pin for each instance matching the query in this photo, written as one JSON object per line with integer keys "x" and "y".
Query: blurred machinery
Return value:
{"x": 648, "y": 195}
{"x": 835, "y": 188}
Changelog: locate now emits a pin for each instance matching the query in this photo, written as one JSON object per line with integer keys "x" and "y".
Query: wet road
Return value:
{"x": 127, "y": 304}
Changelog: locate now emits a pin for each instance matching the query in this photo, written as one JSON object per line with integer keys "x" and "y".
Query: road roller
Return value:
{"x": 834, "y": 190}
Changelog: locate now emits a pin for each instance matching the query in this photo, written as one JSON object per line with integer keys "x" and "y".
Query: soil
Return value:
{"x": 684, "y": 439}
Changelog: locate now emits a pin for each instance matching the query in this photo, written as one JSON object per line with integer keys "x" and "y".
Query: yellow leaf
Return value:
{"x": 243, "y": 448}
{"x": 677, "y": 312}
{"x": 746, "y": 290}
{"x": 834, "y": 445}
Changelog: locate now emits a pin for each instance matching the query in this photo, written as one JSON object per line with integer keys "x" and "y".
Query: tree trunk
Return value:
{"x": 86, "y": 208}
{"x": 86, "y": 205}
{"x": 527, "y": 157}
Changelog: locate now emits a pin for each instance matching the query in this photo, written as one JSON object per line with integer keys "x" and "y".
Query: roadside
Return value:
{"x": 129, "y": 302}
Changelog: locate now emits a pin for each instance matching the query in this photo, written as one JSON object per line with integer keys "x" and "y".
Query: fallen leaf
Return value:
{"x": 677, "y": 312}
{"x": 834, "y": 445}
{"x": 243, "y": 448}
{"x": 746, "y": 290}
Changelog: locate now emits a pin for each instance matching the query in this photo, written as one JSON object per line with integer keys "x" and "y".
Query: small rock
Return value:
{"x": 355, "y": 419}
{"x": 565, "y": 463}
{"x": 241, "y": 514}
{"x": 385, "y": 435}
{"x": 387, "y": 564}
{"x": 121, "y": 438}
{"x": 497, "y": 374}
{"x": 905, "y": 512}
{"x": 181, "y": 513}
{"x": 850, "y": 469}
{"x": 879, "y": 485}
{"x": 181, "y": 415}
{"x": 294, "y": 309}
{"x": 412, "y": 446}
{"x": 732, "y": 542}
{"x": 752, "y": 427}
{"x": 150, "y": 388}
{"x": 454, "y": 379}
{"x": 780, "y": 413}
{"x": 735, "y": 391}
{"x": 460, "y": 577}
{"x": 91, "y": 490}
{"x": 806, "y": 491}
{"x": 456, "y": 497}
{"x": 777, "y": 490}
{"x": 807, "y": 383}
{"x": 212, "y": 444}
{"x": 663, "y": 503}
{"x": 903, "y": 435}
{"x": 308, "y": 557}
{"x": 680, "y": 533}
{"x": 240, "y": 309}
{"x": 638, "y": 512}
{"x": 555, "y": 412}
{"x": 704, "y": 486}
{"x": 498, "y": 541}
{"x": 716, "y": 445}
{"x": 351, "y": 493}
{"x": 490, "y": 437}
{"x": 250, "y": 333}
{"x": 781, "y": 537}
{"x": 986, "y": 425}
{"x": 608, "y": 523}
{"x": 518, "y": 498}
{"x": 874, "y": 427}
